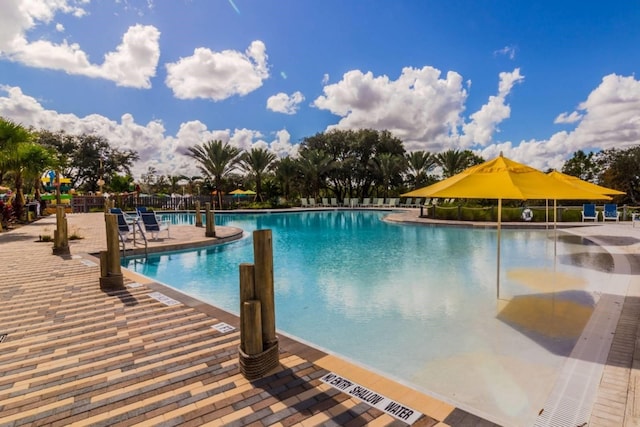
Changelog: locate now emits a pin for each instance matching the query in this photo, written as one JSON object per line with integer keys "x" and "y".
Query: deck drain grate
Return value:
{"x": 3, "y": 337}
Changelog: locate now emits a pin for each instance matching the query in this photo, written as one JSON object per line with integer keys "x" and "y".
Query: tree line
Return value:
{"x": 338, "y": 163}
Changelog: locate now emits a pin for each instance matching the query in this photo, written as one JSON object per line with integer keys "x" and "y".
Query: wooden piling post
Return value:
{"x": 198, "y": 214}
{"x": 258, "y": 349}
{"x": 111, "y": 273}
{"x": 60, "y": 234}
{"x": 211, "y": 226}
{"x": 263, "y": 260}
{"x": 251, "y": 328}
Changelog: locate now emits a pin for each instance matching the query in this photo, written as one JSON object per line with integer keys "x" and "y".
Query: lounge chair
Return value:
{"x": 125, "y": 226}
{"x": 312, "y": 202}
{"x": 610, "y": 212}
{"x": 407, "y": 203}
{"x": 366, "y": 202}
{"x": 153, "y": 225}
{"x": 325, "y": 202}
{"x": 304, "y": 202}
{"x": 334, "y": 202}
{"x": 635, "y": 217}
{"x": 354, "y": 202}
{"x": 589, "y": 212}
{"x": 392, "y": 203}
{"x": 418, "y": 202}
{"x": 346, "y": 202}
{"x": 380, "y": 202}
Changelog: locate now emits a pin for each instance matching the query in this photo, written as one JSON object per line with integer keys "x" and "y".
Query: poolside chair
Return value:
{"x": 304, "y": 202}
{"x": 380, "y": 202}
{"x": 346, "y": 202}
{"x": 334, "y": 202}
{"x": 153, "y": 225}
{"x": 407, "y": 203}
{"x": 312, "y": 202}
{"x": 610, "y": 212}
{"x": 354, "y": 202}
{"x": 125, "y": 228}
{"x": 392, "y": 203}
{"x": 635, "y": 217}
{"x": 366, "y": 202}
{"x": 325, "y": 202}
{"x": 589, "y": 212}
{"x": 418, "y": 202}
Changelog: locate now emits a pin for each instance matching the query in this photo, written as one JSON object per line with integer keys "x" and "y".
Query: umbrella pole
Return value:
{"x": 546, "y": 211}
{"x": 498, "y": 237}
{"x": 555, "y": 228}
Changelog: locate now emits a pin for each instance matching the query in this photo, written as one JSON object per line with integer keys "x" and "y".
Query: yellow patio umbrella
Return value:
{"x": 584, "y": 185}
{"x": 237, "y": 192}
{"x": 502, "y": 178}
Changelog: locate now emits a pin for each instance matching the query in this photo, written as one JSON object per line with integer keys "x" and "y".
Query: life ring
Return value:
{"x": 527, "y": 215}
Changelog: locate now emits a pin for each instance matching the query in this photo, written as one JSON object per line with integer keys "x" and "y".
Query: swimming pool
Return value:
{"x": 417, "y": 303}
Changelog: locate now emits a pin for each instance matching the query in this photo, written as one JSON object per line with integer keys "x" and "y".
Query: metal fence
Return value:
{"x": 131, "y": 201}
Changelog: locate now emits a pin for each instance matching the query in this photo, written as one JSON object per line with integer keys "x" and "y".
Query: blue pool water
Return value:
{"x": 393, "y": 297}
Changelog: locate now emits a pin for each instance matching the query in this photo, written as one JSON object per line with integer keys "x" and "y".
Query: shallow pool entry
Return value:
{"x": 416, "y": 303}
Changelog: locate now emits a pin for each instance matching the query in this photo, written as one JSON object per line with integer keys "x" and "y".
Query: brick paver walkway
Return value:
{"x": 71, "y": 354}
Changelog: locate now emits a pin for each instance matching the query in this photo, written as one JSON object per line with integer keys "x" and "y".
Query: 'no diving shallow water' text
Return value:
{"x": 374, "y": 399}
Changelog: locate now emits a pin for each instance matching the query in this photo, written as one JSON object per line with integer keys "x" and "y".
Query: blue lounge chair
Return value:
{"x": 153, "y": 225}
{"x": 125, "y": 223}
{"x": 589, "y": 212}
{"x": 611, "y": 212}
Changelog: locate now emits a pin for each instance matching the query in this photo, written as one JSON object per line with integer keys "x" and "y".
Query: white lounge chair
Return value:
{"x": 153, "y": 225}
{"x": 312, "y": 202}
{"x": 610, "y": 212}
{"x": 334, "y": 202}
{"x": 366, "y": 202}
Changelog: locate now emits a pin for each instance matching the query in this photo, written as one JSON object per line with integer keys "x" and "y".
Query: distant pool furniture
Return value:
{"x": 304, "y": 202}
{"x": 610, "y": 212}
{"x": 366, "y": 202}
{"x": 325, "y": 202}
{"x": 346, "y": 202}
{"x": 392, "y": 202}
{"x": 334, "y": 202}
{"x": 589, "y": 212}
{"x": 635, "y": 216}
{"x": 418, "y": 202}
{"x": 312, "y": 202}
{"x": 153, "y": 225}
{"x": 407, "y": 203}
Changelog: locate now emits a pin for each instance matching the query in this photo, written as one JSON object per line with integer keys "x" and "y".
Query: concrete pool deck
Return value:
{"x": 74, "y": 354}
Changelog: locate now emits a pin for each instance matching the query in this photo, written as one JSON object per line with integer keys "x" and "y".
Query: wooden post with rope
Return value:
{"x": 211, "y": 226}
{"x": 60, "y": 234}
{"x": 110, "y": 270}
{"x": 258, "y": 349}
{"x": 198, "y": 215}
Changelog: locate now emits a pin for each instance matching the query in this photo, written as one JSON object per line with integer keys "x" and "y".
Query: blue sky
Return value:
{"x": 537, "y": 80}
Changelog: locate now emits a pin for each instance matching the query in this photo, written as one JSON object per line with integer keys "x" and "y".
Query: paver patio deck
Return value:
{"x": 75, "y": 355}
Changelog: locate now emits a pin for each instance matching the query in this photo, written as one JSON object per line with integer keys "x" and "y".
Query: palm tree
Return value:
{"x": 387, "y": 168}
{"x": 216, "y": 160}
{"x": 257, "y": 162}
{"x": 419, "y": 163}
{"x": 287, "y": 171}
{"x": 16, "y": 151}
{"x": 455, "y": 161}
{"x": 314, "y": 166}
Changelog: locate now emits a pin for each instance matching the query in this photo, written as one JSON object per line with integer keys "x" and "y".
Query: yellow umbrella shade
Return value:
{"x": 237, "y": 192}
{"x": 584, "y": 185}
{"x": 249, "y": 192}
{"x": 502, "y": 178}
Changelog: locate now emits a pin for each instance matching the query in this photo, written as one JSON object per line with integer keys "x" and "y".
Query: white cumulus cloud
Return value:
{"x": 166, "y": 153}
{"x": 420, "y": 107}
{"x": 132, "y": 64}
{"x": 218, "y": 75}
{"x": 283, "y": 103}
{"x": 484, "y": 122}
{"x": 608, "y": 118}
